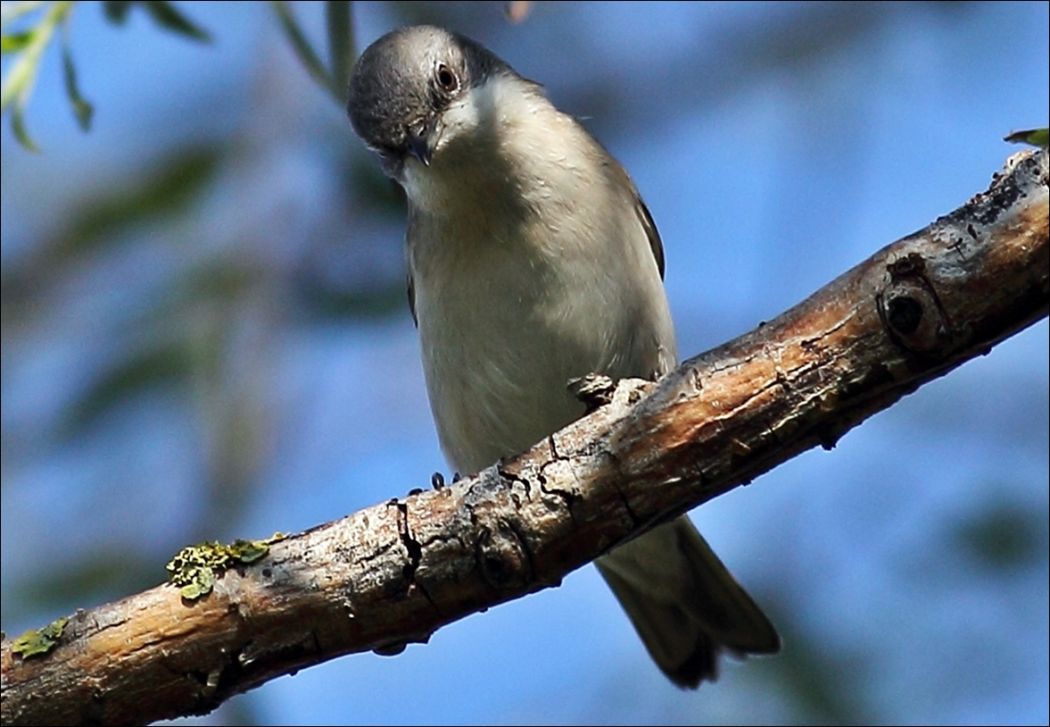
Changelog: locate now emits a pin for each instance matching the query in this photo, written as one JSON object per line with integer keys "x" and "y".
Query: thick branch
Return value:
{"x": 396, "y": 572}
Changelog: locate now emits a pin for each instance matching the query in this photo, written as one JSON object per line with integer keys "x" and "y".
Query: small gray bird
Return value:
{"x": 532, "y": 260}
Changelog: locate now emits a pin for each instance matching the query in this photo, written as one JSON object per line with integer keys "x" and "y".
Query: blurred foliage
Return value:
{"x": 144, "y": 370}
{"x": 335, "y": 76}
{"x": 164, "y": 191}
{"x": 163, "y": 13}
{"x": 826, "y": 680}
{"x": 91, "y": 575}
{"x": 30, "y": 43}
{"x": 1000, "y": 536}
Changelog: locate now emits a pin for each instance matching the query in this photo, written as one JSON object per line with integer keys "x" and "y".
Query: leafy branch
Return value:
{"x": 335, "y": 76}
{"x": 30, "y": 44}
{"x": 38, "y": 21}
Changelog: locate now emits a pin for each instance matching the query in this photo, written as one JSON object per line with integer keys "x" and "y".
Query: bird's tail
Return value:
{"x": 684, "y": 603}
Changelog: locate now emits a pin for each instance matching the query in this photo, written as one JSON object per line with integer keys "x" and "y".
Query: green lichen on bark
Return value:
{"x": 37, "y": 642}
{"x": 196, "y": 567}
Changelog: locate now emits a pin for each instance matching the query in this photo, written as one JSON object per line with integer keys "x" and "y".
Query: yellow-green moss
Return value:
{"x": 37, "y": 642}
{"x": 196, "y": 567}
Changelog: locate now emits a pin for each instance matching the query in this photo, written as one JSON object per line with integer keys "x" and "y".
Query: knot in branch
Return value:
{"x": 503, "y": 558}
{"x": 910, "y": 309}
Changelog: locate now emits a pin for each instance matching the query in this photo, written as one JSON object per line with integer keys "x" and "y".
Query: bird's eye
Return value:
{"x": 446, "y": 78}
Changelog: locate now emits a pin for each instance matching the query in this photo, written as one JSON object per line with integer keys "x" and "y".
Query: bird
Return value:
{"x": 532, "y": 260}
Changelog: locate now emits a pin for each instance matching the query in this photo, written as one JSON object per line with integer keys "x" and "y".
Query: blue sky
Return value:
{"x": 776, "y": 146}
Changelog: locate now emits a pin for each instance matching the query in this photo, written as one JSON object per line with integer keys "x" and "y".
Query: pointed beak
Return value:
{"x": 419, "y": 142}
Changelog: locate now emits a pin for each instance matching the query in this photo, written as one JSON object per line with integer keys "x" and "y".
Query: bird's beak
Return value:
{"x": 419, "y": 142}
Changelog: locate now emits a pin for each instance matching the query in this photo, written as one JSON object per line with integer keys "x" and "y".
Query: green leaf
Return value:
{"x": 18, "y": 126}
{"x": 18, "y": 84}
{"x": 15, "y": 42}
{"x": 1035, "y": 137}
{"x": 19, "y": 78}
{"x": 82, "y": 108}
{"x": 309, "y": 58}
{"x": 340, "y": 42}
{"x": 167, "y": 16}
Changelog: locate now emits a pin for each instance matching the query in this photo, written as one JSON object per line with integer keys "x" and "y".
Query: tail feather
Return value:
{"x": 684, "y": 603}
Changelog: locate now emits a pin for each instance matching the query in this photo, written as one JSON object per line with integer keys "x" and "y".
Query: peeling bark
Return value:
{"x": 394, "y": 573}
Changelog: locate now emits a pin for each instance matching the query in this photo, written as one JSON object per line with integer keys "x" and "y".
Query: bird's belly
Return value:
{"x": 506, "y": 321}
{"x": 499, "y": 394}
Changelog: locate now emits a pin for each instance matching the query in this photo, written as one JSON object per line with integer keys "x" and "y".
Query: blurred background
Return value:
{"x": 205, "y": 335}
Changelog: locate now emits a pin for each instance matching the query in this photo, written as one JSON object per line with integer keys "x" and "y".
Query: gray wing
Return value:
{"x": 651, "y": 232}
{"x": 655, "y": 244}
{"x": 410, "y": 283}
{"x": 412, "y": 298}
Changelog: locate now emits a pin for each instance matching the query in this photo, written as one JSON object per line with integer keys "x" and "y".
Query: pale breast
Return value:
{"x": 504, "y": 330}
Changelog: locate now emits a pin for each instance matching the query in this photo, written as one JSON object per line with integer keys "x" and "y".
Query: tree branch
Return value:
{"x": 396, "y": 572}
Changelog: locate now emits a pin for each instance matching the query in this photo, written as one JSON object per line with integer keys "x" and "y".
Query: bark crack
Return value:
{"x": 414, "y": 550}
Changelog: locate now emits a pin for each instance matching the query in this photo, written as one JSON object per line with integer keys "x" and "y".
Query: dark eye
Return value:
{"x": 446, "y": 78}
